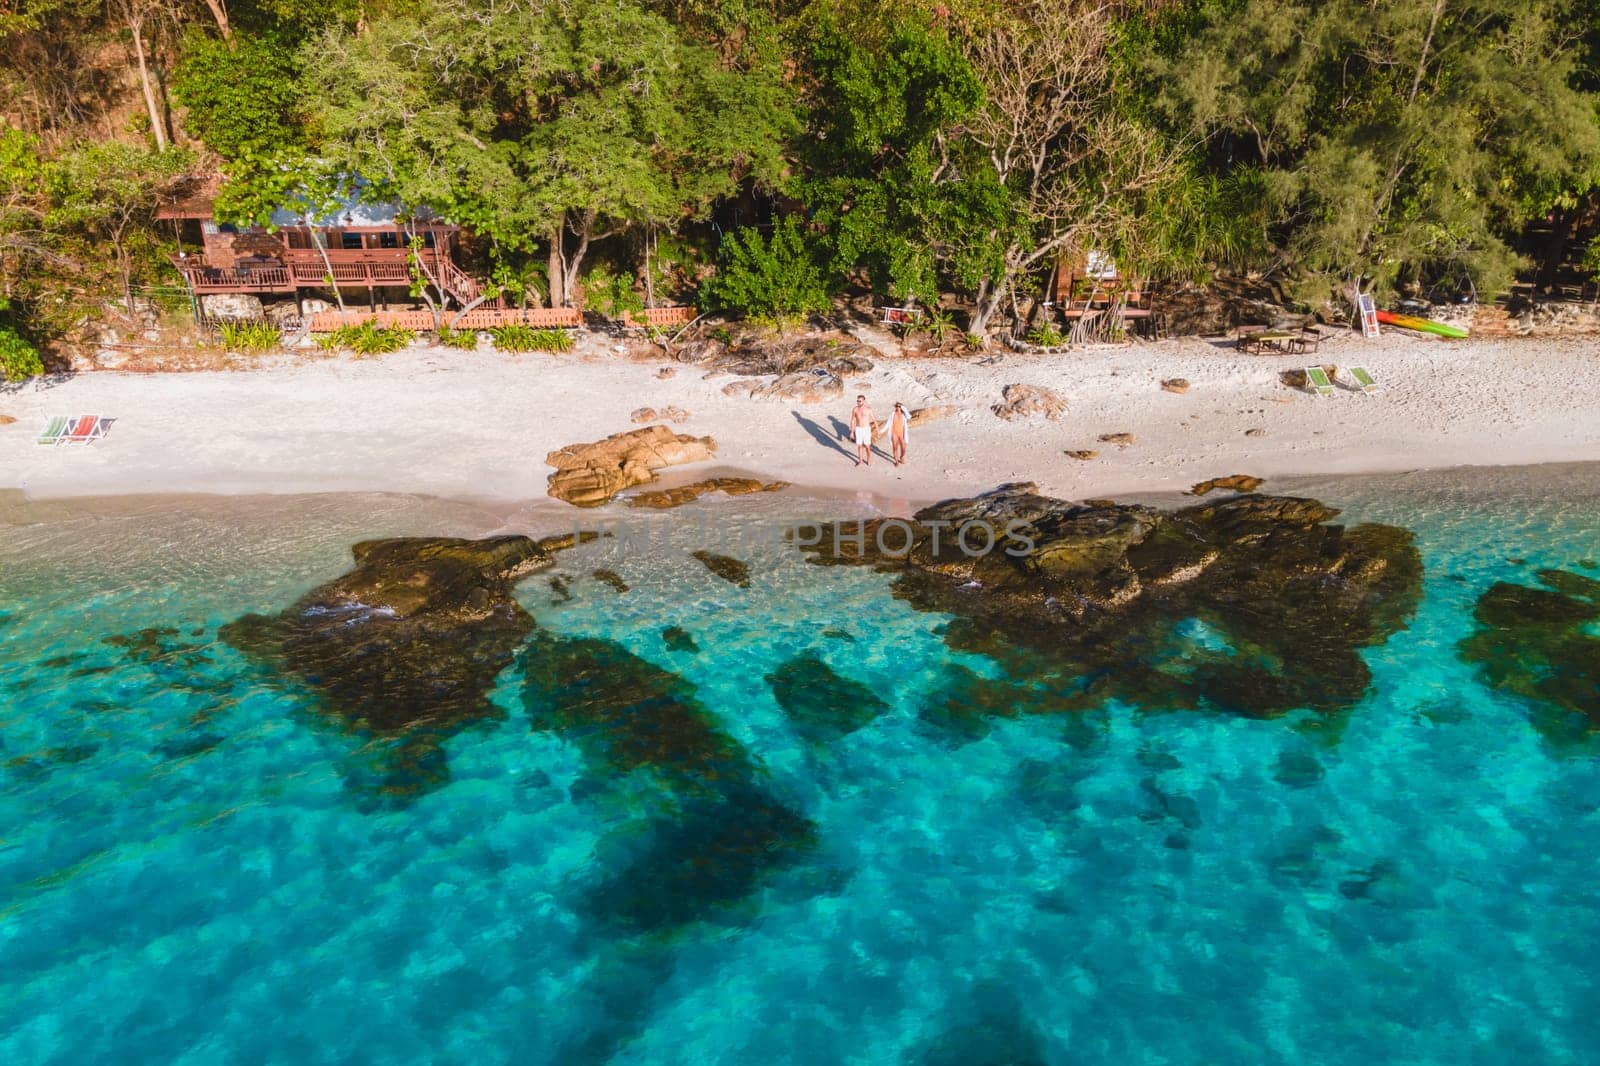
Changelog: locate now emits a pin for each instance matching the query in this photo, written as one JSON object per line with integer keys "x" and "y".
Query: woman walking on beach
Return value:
{"x": 899, "y": 422}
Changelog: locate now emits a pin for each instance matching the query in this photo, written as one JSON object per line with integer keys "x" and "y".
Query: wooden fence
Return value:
{"x": 482, "y": 318}
{"x": 660, "y": 316}
{"x": 489, "y": 317}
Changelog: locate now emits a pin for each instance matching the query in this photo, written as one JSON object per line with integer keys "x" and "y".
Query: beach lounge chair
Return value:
{"x": 1364, "y": 378}
{"x": 1317, "y": 378}
{"x": 85, "y": 429}
{"x": 52, "y": 432}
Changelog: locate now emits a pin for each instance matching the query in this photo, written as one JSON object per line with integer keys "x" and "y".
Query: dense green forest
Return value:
{"x": 764, "y": 156}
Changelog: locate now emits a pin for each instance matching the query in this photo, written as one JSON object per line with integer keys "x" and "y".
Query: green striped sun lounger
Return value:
{"x": 52, "y": 433}
{"x": 1317, "y": 378}
{"x": 1364, "y": 378}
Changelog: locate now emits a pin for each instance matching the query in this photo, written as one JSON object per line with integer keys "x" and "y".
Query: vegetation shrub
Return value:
{"x": 464, "y": 340}
{"x": 1046, "y": 335}
{"x": 773, "y": 281}
{"x": 516, "y": 338}
{"x": 250, "y": 336}
{"x": 19, "y": 360}
{"x": 368, "y": 338}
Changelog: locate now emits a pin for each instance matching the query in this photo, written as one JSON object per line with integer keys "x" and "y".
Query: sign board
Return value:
{"x": 1100, "y": 265}
{"x": 1368, "y": 312}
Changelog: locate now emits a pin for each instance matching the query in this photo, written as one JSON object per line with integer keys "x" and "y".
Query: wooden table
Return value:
{"x": 1258, "y": 341}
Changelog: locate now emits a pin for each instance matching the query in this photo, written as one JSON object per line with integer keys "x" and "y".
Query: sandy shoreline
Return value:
{"x": 476, "y": 426}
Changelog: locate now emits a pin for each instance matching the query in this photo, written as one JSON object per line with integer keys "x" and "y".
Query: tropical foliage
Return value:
{"x": 517, "y": 338}
{"x": 249, "y": 336}
{"x": 772, "y": 156}
{"x": 368, "y": 338}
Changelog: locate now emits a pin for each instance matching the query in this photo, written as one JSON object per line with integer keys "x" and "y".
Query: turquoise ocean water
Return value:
{"x": 197, "y": 866}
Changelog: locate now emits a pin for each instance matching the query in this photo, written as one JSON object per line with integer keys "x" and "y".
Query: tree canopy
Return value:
{"x": 944, "y": 153}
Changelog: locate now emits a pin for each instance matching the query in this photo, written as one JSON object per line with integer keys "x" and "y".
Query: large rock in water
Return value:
{"x": 1255, "y": 605}
{"x": 588, "y": 475}
{"x": 412, "y": 637}
{"x": 1542, "y": 645}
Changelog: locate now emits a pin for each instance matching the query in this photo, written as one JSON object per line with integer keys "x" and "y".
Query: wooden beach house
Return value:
{"x": 362, "y": 247}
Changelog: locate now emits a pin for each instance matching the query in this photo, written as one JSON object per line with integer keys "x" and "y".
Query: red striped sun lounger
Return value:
{"x": 84, "y": 429}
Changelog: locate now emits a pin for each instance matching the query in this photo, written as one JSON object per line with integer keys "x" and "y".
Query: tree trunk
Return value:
{"x": 1554, "y": 250}
{"x": 649, "y": 282}
{"x": 327, "y": 264}
{"x": 219, "y": 12}
{"x": 990, "y": 297}
{"x": 569, "y": 284}
{"x": 556, "y": 269}
{"x": 157, "y": 127}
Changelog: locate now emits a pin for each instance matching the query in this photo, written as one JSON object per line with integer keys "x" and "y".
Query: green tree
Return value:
{"x": 548, "y": 123}
{"x": 1396, "y": 141}
{"x": 777, "y": 280}
{"x": 881, "y": 178}
{"x": 106, "y": 194}
{"x": 242, "y": 97}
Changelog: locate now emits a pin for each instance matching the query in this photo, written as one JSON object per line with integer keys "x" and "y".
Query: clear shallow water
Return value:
{"x": 193, "y": 871}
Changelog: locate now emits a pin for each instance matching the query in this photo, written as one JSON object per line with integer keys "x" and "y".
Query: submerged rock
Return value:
{"x": 725, "y": 834}
{"x": 588, "y": 475}
{"x": 726, "y": 567}
{"x": 663, "y": 499}
{"x": 1543, "y": 645}
{"x": 625, "y": 712}
{"x": 1233, "y": 483}
{"x": 413, "y": 636}
{"x": 676, "y": 638}
{"x": 1254, "y": 605}
{"x": 715, "y": 854}
{"x": 611, "y": 578}
{"x": 822, "y": 705}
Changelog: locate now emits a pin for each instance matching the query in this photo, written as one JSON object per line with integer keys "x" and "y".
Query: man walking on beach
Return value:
{"x": 861, "y": 430}
{"x": 899, "y": 422}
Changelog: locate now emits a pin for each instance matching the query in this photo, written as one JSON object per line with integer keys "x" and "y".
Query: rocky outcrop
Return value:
{"x": 232, "y": 306}
{"x": 408, "y": 642}
{"x": 1232, "y": 483}
{"x": 1541, "y": 645}
{"x": 1295, "y": 378}
{"x": 1025, "y": 401}
{"x": 754, "y": 354}
{"x": 666, "y": 414}
{"x": 1098, "y": 597}
{"x": 801, "y": 387}
{"x": 935, "y": 413}
{"x": 588, "y": 475}
{"x": 664, "y": 499}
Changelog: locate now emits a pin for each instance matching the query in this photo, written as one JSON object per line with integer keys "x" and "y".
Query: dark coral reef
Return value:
{"x": 1254, "y": 605}
{"x": 1543, "y": 645}
{"x": 407, "y": 644}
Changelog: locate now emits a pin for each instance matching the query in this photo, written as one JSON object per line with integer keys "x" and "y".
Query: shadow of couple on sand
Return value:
{"x": 839, "y": 441}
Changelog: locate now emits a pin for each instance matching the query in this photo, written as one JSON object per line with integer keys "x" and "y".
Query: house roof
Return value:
{"x": 193, "y": 197}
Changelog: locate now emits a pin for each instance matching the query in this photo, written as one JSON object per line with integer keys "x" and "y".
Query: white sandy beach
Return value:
{"x": 477, "y": 425}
